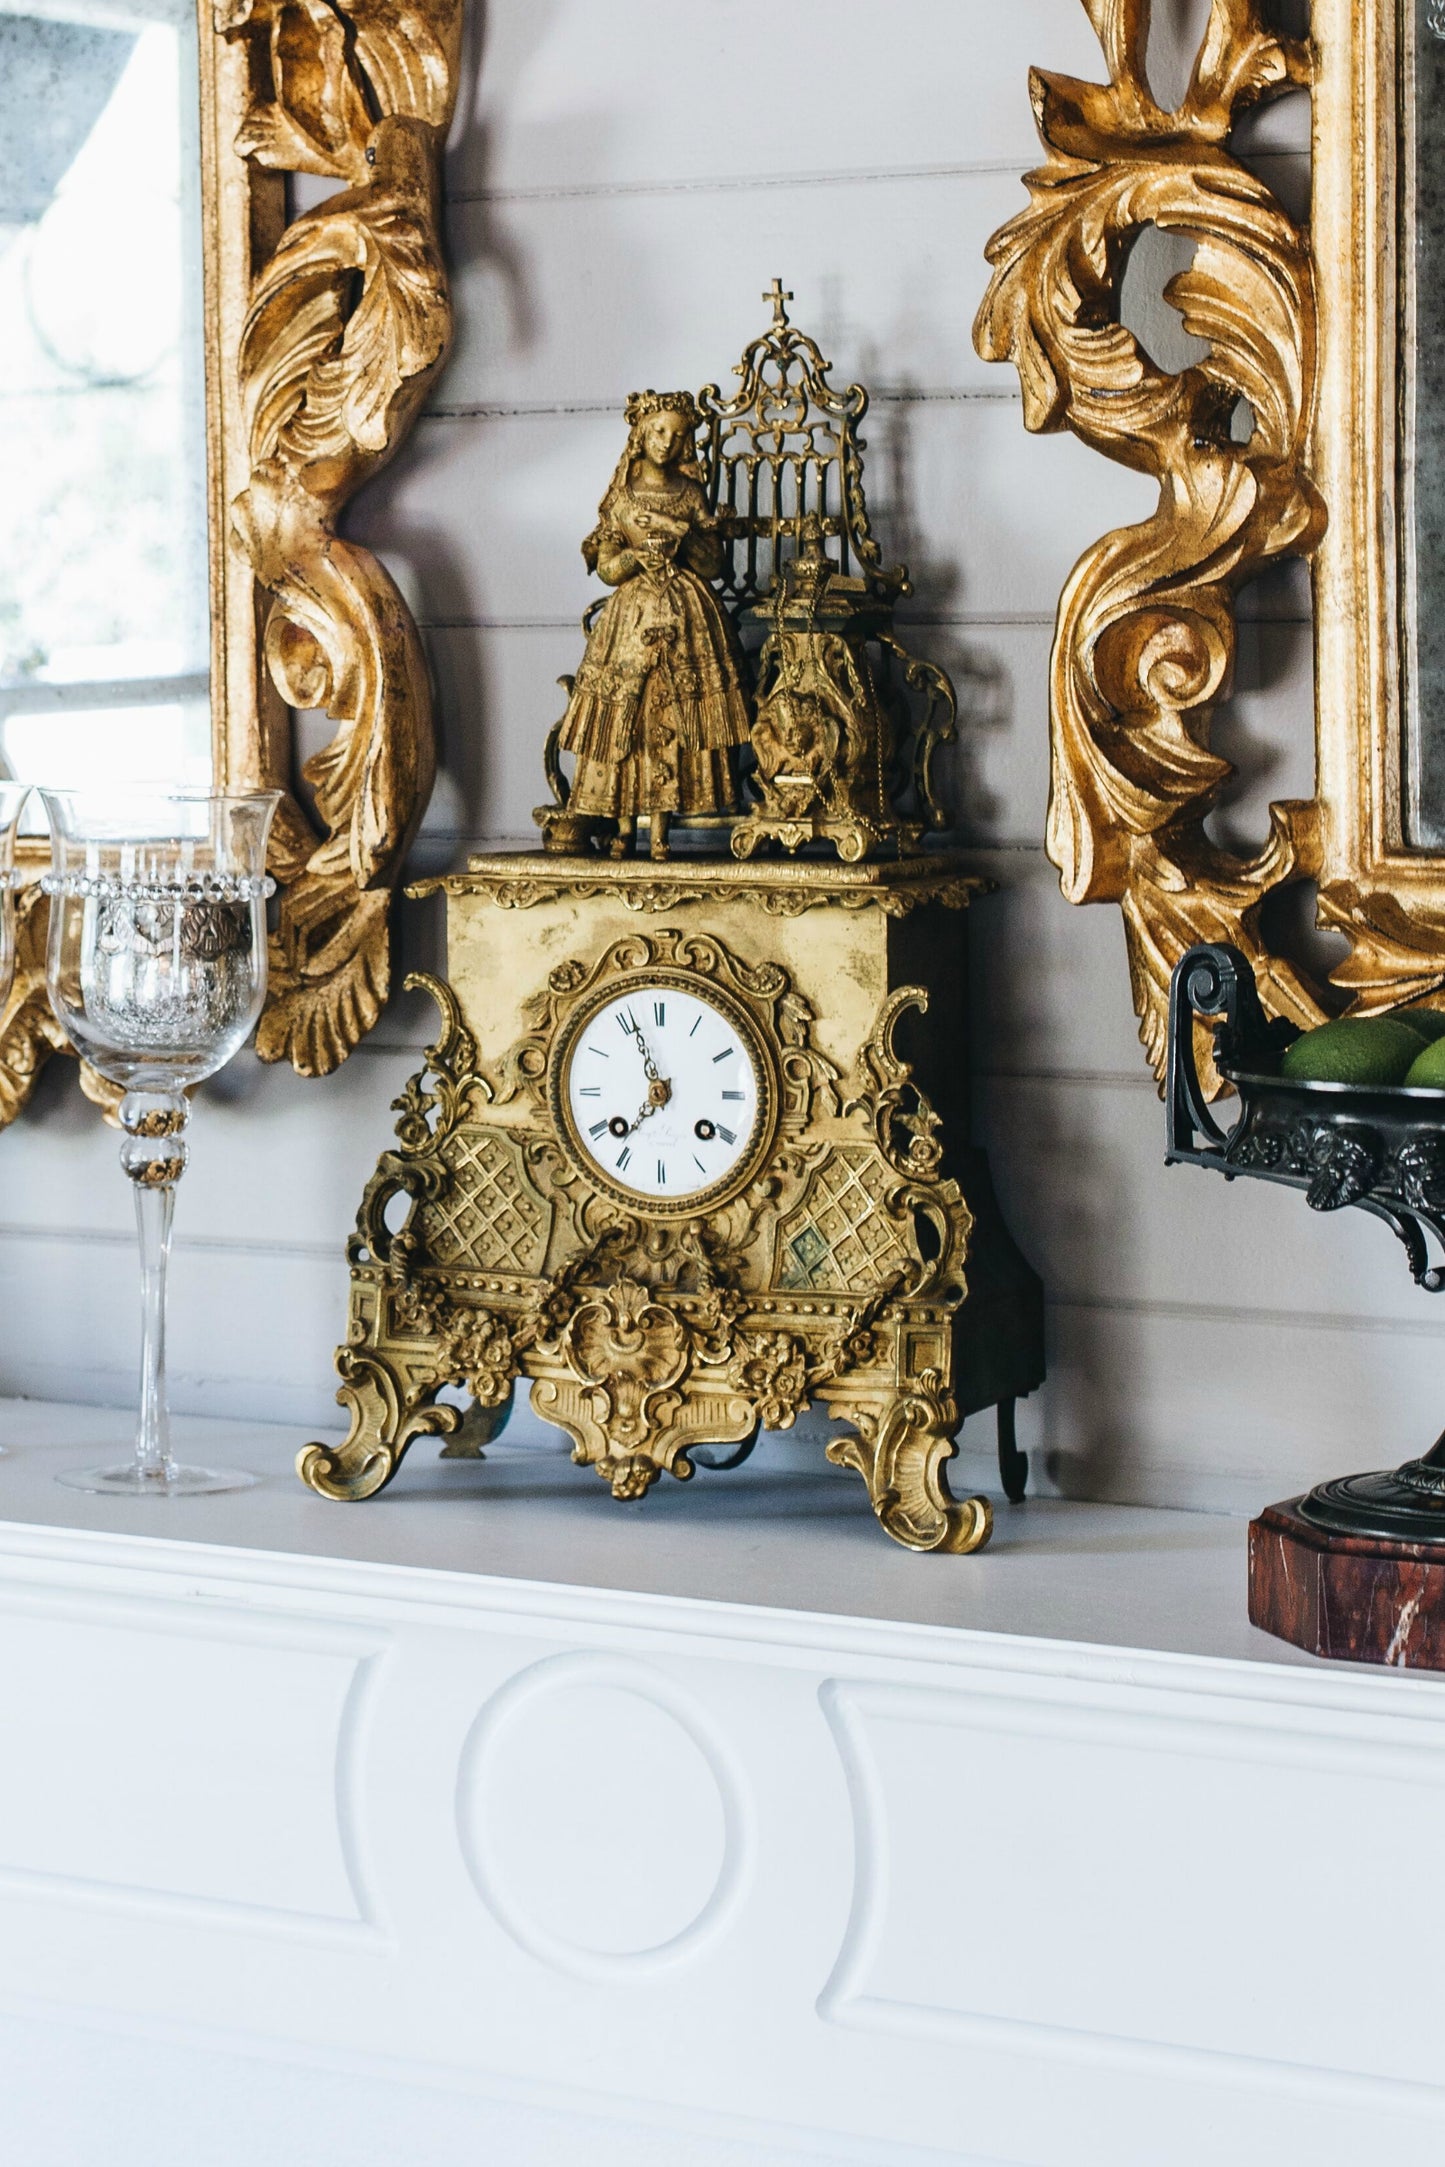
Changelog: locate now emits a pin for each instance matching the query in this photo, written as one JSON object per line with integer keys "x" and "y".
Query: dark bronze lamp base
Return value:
{"x": 1356, "y": 1570}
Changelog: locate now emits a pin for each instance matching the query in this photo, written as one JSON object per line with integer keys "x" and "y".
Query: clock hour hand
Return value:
{"x": 620, "y": 1128}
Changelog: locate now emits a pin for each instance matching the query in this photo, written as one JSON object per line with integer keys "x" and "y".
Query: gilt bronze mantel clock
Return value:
{"x": 690, "y": 1154}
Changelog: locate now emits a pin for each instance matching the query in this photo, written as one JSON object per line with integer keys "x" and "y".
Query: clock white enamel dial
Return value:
{"x": 663, "y": 1092}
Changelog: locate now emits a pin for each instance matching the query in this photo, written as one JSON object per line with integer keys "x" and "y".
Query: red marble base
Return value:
{"x": 1347, "y": 1596}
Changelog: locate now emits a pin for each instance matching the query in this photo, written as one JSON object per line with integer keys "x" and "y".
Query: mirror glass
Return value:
{"x": 104, "y": 639}
{"x": 1420, "y": 495}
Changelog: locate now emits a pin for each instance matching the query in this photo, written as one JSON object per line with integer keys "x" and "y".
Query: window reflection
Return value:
{"x": 104, "y": 641}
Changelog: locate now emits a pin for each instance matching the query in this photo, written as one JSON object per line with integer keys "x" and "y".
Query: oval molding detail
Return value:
{"x": 602, "y": 1818}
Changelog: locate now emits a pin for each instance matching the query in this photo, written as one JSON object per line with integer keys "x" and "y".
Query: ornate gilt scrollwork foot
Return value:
{"x": 900, "y": 1451}
{"x": 383, "y": 1425}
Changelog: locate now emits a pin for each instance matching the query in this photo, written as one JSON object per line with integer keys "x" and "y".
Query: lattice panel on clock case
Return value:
{"x": 843, "y": 1236}
{"x": 488, "y": 1216}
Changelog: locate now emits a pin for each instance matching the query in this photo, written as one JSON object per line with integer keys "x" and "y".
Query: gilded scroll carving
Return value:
{"x": 900, "y": 1451}
{"x": 348, "y": 321}
{"x": 29, "y": 1033}
{"x": 1145, "y": 640}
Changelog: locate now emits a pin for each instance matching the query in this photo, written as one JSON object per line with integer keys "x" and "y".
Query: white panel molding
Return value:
{"x": 604, "y": 2131}
{"x": 1265, "y": 1740}
{"x": 309, "y": 1813}
{"x": 861, "y": 1968}
{"x": 637, "y": 1813}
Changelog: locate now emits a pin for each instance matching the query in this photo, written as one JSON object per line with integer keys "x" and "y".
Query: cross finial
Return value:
{"x": 780, "y": 300}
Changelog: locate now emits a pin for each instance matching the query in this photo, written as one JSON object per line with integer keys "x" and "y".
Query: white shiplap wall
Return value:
{"x": 623, "y": 182}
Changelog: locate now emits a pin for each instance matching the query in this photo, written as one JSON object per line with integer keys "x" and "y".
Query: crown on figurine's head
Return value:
{"x": 644, "y": 404}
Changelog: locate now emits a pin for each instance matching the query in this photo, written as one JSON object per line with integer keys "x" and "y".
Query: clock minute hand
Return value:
{"x": 659, "y": 1090}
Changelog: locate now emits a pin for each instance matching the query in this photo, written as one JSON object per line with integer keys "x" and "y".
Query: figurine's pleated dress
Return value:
{"x": 657, "y": 706}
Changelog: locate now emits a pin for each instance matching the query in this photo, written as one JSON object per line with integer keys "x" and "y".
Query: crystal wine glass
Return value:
{"x": 157, "y": 970}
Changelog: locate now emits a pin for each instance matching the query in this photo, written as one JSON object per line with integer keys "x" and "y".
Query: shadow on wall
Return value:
{"x": 928, "y": 621}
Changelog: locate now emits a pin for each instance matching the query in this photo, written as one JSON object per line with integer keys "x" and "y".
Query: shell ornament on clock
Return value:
{"x": 690, "y": 1156}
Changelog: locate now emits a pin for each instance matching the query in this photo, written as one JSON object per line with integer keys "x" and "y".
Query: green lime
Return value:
{"x": 1429, "y": 1067}
{"x": 1353, "y": 1050}
{"x": 1429, "y": 1022}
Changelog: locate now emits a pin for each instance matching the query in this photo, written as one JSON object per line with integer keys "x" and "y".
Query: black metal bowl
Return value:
{"x": 1380, "y": 1147}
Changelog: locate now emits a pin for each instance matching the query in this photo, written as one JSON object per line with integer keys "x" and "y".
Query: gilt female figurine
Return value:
{"x": 657, "y": 707}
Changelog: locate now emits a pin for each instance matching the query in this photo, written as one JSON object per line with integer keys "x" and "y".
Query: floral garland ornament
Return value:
{"x": 1145, "y": 640}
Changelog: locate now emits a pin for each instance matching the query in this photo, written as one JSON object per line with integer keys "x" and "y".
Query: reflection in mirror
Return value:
{"x": 1421, "y": 491}
{"x": 104, "y": 641}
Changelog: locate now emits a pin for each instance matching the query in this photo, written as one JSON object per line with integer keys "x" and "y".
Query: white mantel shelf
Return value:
{"x": 1119, "y": 1576}
{"x": 491, "y": 1819}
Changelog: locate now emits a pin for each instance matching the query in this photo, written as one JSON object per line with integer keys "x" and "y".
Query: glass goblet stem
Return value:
{"x": 154, "y": 1156}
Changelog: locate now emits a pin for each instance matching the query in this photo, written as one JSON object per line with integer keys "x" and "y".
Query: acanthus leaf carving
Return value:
{"x": 347, "y": 324}
{"x": 1145, "y": 640}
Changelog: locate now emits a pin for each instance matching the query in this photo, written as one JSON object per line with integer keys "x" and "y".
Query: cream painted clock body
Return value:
{"x": 691, "y": 1155}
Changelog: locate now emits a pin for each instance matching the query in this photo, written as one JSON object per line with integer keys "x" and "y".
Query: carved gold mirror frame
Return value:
{"x": 1283, "y": 440}
{"x": 323, "y": 332}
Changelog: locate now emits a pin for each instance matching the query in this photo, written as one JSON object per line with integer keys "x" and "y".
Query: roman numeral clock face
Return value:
{"x": 663, "y": 1093}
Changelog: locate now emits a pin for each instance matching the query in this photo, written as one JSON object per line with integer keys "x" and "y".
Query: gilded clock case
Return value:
{"x": 861, "y": 1266}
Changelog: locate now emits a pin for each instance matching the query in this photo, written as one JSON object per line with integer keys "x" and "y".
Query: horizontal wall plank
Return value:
{"x": 579, "y": 97}
{"x": 1221, "y": 1411}
{"x": 1216, "y": 1410}
{"x": 249, "y": 1335}
{"x": 1049, "y": 980}
{"x": 1080, "y": 1169}
{"x": 579, "y": 302}
{"x": 276, "y": 1160}
{"x": 566, "y": 301}
{"x": 498, "y": 695}
{"x": 489, "y": 514}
